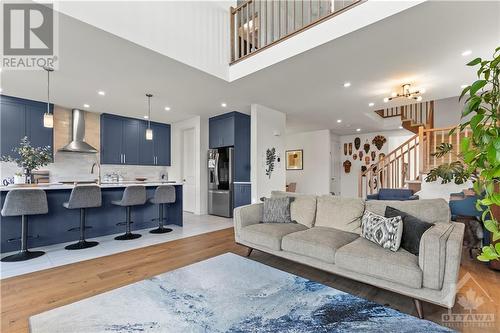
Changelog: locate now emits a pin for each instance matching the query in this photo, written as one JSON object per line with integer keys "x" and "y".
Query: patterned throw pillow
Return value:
{"x": 383, "y": 231}
{"x": 277, "y": 210}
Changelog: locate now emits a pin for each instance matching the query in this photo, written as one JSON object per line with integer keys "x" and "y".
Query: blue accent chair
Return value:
{"x": 400, "y": 194}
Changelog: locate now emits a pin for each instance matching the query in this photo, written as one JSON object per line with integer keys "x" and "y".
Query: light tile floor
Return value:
{"x": 56, "y": 255}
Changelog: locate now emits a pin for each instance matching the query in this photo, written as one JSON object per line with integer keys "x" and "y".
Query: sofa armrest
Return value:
{"x": 245, "y": 216}
{"x": 413, "y": 197}
{"x": 433, "y": 254}
{"x": 372, "y": 196}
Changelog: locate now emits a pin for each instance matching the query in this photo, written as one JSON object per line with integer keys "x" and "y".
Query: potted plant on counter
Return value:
{"x": 30, "y": 158}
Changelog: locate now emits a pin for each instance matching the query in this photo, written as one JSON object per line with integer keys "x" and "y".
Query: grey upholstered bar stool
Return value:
{"x": 83, "y": 197}
{"x": 164, "y": 194}
{"x": 133, "y": 195}
{"x": 24, "y": 202}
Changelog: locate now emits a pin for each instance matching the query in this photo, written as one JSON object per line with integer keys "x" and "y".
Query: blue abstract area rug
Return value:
{"x": 227, "y": 293}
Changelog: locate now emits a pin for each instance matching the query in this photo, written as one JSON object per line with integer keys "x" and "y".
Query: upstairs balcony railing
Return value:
{"x": 258, "y": 24}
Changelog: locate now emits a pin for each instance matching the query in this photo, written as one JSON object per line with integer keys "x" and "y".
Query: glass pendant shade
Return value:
{"x": 48, "y": 120}
{"x": 149, "y": 134}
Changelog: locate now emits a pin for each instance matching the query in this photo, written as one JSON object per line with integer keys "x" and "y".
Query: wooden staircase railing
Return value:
{"x": 409, "y": 161}
{"x": 258, "y": 24}
{"x": 412, "y": 115}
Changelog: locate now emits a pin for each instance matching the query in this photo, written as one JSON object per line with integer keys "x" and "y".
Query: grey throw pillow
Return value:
{"x": 383, "y": 231}
{"x": 277, "y": 210}
{"x": 413, "y": 229}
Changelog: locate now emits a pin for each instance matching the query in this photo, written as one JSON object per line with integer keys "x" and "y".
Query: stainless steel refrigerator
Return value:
{"x": 220, "y": 181}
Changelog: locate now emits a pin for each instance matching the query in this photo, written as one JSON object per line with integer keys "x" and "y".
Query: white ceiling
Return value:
{"x": 422, "y": 44}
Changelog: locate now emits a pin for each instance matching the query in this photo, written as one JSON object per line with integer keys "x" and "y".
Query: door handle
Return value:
{"x": 121, "y": 158}
{"x": 124, "y": 158}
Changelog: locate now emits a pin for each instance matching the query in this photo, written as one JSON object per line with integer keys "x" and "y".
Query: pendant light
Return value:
{"x": 149, "y": 131}
{"x": 48, "y": 117}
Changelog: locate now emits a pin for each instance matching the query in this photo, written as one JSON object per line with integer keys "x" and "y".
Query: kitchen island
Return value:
{"x": 52, "y": 228}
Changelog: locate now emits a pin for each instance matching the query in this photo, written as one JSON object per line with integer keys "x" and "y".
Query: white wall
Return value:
{"x": 447, "y": 112}
{"x": 200, "y": 126}
{"x": 267, "y": 131}
{"x": 193, "y": 32}
{"x": 349, "y": 181}
{"x": 315, "y": 177}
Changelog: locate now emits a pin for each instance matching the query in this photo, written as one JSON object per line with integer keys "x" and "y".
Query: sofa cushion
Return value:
{"x": 394, "y": 194}
{"x": 430, "y": 210}
{"x": 302, "y": 208}
{"x": 269, "y": 234}
{"x": 381, "y": 230}
{"x": 276, "y": 210}
{"x": 340, "y": 213}
{"x": 318, "y": 242}
{"x": 364, "y": 257}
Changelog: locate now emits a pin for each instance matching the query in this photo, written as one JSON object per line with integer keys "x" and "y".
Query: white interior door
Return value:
{"x": 335, "y": 168}
{"x": 188, "y": 170}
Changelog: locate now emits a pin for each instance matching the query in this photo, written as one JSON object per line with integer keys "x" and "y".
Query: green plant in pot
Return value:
{"x": 30, "y": 158}
{"x": 479, "y": 157}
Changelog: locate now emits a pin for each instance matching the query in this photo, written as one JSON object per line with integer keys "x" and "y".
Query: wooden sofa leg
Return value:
{"x": 249, "y": 251}
{"x": 420, "y": 309}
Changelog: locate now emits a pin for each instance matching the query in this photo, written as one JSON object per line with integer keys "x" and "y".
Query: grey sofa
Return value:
{"x": 326, "y": 236}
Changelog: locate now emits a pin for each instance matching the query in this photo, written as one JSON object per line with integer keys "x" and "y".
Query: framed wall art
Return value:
{"x": 294, "y": 159}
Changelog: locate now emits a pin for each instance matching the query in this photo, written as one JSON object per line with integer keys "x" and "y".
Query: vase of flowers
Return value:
{"x": 30, "y": 158}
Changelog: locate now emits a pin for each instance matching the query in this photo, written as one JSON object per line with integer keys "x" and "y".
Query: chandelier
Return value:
{"x": 406, "y": 92}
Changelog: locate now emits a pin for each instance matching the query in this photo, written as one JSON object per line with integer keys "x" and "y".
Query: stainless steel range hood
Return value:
{"x": 78, "y": 145}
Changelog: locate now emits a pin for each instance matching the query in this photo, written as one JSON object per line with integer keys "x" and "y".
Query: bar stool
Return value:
{"x": 82, "y": 197}
{"x": 164, "y": 194}
{"x": 24, "y": 202}
{"x": 133, "y": 195}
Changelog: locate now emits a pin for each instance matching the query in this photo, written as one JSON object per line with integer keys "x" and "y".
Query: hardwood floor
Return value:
{"x": 29, "y": 294}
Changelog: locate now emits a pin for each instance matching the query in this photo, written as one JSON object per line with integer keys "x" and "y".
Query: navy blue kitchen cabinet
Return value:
{"x": 161, "y": 139}
{"x": 242, "y": 194}
{"x": 221, "y": 132}
{"x": 21, "y": 117}
{"x": 123, "y": 141}
{"x": 111, "y": 140}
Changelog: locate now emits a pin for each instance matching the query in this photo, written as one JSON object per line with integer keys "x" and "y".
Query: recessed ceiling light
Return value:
{"x": 347, "y": 84}
{"x": 223, "y": 105}
{"x": 86, "y": 106}
{"x": 400, "y": 127}
{"x": 466, "y": 53}
{"x": 419, "y": 98}
{"x": 339, "y": 121}
{"x": 358, "y": 129}
{"x": 167, "y": 108}
{"x": 146, "y": 117}
{"x": 463, "y": 86}
{"x": 102, "y": 93}
{"x": 386, "y": 100}
{"x": 371, "y": 104}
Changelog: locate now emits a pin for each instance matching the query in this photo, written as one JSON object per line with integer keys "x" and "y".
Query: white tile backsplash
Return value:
{"x": 77, "y": 166}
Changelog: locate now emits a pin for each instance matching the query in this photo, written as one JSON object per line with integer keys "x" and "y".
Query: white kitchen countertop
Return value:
{"x": 61, "y": 186}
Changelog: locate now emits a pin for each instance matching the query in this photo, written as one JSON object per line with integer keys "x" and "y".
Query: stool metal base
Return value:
{"x": 23, "y": 255}
{"x": 83, "y": 244}
{"x": 160, "y": 230}
{"x": 128, "y": 236}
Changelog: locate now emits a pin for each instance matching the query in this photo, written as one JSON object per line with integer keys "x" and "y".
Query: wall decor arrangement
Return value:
{"x": 347, "y": 166}
{"x": 294, "y": 159}
{"x": 379, "y": 141}
{"x": 345, "y": 149}
{"x": 366, "y": 147}
{"x": 355, "y": 156}
{"x": 374, "y": 155}
{"x": 357, "y": 143}
{"x": 270, "y": 159}
{"x": 360, "y": 154}
{"x": 363, "y": 168}
{"x": 381, "y": 156}
{"x": 367, "y": 159}
{"x": 350, "y": 148}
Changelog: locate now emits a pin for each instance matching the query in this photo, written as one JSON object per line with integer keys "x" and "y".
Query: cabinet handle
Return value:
{"x": 121, "y": 158}
{"x": 124, "y": 158}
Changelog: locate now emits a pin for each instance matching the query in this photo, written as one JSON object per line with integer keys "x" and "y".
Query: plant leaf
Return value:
{"x": 479, "y": 84}
{"x": 474, "y": 62}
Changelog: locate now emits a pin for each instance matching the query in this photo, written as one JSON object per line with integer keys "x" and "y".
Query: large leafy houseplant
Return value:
{"x": 481, "y": 151}
{"x": 30, "y": 158}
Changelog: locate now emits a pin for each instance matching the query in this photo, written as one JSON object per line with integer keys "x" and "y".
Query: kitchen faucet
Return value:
{"x": 96, "y": 163}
